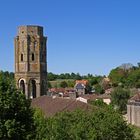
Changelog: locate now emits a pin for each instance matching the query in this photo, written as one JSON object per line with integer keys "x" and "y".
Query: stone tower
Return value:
{"x": 30, "y": 61}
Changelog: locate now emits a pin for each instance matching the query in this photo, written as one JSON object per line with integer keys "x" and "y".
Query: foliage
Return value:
{"x": 16, "y": 115}
{"x": 51, "y": 76}
{"x": 57, "y": 80}
{"x": 99, "y": 89}
{"x": 117, "y": 76}
{"x": 103, "y": 124}
{"x": 126, "y": 76}
{"x": 9, "y": 76}
{"x": 94, "y": 80}
{"x": 126, "y": 66}
{"x": 88, "y": 88}
{"x": 49, "y": 85}
{"x": 41, "y": 125}
{"x": 74, "y": 76}
{"x": 17, "y": 120}
{"x": 136, "y": 132}
{"x": 133, "y": 79}
{"x": 63, "y": 84}
{"x": 70, "y": 83}
{"x": 119, "y": 98}
{"x": 98, "y": 103}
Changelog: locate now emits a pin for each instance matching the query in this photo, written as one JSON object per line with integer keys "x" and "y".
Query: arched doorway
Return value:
{"x": 22, "y": 86}
{"x": 32, "y": 89}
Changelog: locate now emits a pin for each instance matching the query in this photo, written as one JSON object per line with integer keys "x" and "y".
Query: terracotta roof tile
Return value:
{"x": 85, "y": 82}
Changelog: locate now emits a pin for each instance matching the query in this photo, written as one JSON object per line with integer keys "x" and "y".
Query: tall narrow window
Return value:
{"x": 35, "y": 43}
{"x": 21, "y": 57}
{"x": 33, "y": 57}
{"x": 32, "y": 89}
{"x": 22, "y": 86}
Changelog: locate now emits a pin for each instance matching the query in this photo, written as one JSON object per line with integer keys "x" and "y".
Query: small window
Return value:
{"x": 21, "y": 57}
{"x": 35, "y": 43}
{"x": 33, "y": 57}
{"x": 22, "y": 32}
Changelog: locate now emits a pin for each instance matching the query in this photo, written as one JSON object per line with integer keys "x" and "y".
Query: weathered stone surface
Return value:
{"x": 133, "y": 110}
{"x": 30, "y": 61}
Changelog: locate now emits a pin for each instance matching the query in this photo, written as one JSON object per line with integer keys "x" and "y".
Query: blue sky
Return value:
{"x": 85, "y": 36}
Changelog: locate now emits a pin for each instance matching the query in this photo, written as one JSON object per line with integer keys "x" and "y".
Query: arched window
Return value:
{"x": 32, "y": 89}
{"x": 33, "y": 57}
{"x": 21, "y": 57}
{"x": 22, "y": 86}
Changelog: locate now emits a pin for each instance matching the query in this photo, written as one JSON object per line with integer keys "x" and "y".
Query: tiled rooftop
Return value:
{"x": 50, "y": 106}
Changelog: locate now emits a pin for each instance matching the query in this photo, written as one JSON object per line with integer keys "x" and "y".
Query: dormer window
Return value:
{"x": 21, "y": 57}
{"x": 33, "y": 57}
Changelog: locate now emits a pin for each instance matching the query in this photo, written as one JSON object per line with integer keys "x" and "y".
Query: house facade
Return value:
{"x": 133, "y": 110}
{"x": 81, "y": 87}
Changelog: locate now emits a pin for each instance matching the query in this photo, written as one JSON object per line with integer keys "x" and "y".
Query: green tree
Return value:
{"x": 93, "y": 81}
{"x": 78, "y": 77}
{"x": 61, "y": 76}
{"x": 102, "y": 124}
{"x": 7, "y": 75}
{"x": 117, "y": 76}
{"x": 133, "y": 79}
{"x": 51, "y": 76}
{"x": 99, "y": 89}
{"x": 98, "y": 103}
{"x": 16, "y": 115}
{"x": 71, "y": 83}
{"x": 49, "y": 85}
{"x": 41, "y": 125}
{"x": 110, "y": 125}
{"x": 119, "y": 98}
{"x": 63, "y": 84}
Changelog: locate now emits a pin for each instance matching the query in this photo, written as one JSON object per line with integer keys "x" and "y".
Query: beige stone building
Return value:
{"x": 133, "y": 110}
{"x": 30, "y": 61}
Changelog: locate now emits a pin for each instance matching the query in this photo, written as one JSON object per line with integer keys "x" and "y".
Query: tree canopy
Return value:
{"x": 16, "y": 115}
{"x": 119, "y": 98}
{"x": 126, "y": 75}
{"x": 18, "y": 120}
{"x": 103, "y": 124}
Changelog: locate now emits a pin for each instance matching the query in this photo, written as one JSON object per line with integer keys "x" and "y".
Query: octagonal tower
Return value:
{"x": 30, "y": 61}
